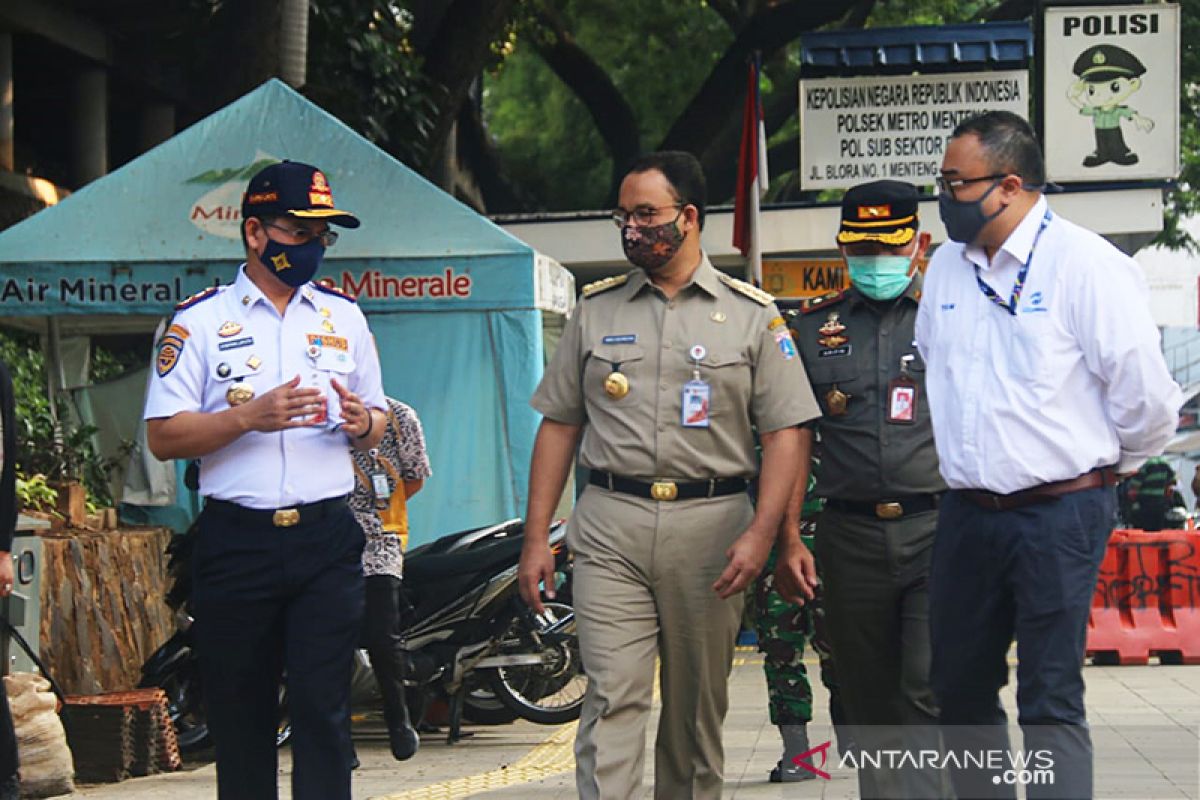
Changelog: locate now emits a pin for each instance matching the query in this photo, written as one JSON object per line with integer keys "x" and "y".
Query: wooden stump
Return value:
{"x": 103, "y": 612}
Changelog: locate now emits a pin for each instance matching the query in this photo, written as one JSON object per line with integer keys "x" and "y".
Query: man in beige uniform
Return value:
{"x": 665, "y": 372}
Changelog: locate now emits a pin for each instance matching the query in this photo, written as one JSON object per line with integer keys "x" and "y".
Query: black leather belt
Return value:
{"x": 665, "y": 489}
{"x": 903, "y": 506}
{"x": 278, "y": 517}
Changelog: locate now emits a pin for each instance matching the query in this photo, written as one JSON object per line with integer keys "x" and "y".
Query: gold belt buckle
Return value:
{"x": 664, "y": 490}
{"x": 889, "y": 510}
{"x": 285, "y": 517}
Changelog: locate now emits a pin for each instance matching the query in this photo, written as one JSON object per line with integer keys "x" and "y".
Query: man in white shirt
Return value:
{"x": 1046, "y": 381}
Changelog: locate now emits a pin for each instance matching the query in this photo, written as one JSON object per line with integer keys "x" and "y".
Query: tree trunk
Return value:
{"x": 103, "y": 608}
{"x": 454, "y": 57}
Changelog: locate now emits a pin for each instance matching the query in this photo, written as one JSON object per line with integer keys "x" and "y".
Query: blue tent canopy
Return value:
{"x": 454, "y": 301}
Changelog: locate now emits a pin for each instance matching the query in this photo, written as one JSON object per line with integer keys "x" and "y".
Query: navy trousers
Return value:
{"x": 1027, "y": 574}
{"x": 267, "y": 601}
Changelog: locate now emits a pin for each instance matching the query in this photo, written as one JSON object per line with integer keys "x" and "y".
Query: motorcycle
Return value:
{"x": 468, "y": 637}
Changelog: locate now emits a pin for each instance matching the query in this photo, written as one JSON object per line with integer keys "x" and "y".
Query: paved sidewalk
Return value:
{"x": 1145, "y": 724}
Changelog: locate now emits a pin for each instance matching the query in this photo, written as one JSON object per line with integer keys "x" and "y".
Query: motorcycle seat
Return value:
{"x": 423, "y": 568}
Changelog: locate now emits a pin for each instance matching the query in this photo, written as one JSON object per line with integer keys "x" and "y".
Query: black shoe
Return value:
{"x": 791, "y": 774}
{"x": 1126, "y": 159}
{"x": 354, "y": 764}
{"x": 1094, "y": 160}
{"x": 404, "y": 740}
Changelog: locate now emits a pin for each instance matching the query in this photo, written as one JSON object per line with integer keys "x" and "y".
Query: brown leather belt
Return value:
{"x": 1046, "y": 493}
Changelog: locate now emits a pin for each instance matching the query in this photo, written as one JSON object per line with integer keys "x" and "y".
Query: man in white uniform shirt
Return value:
{"x": 1046, "y": 382}
{"x": 270, "y": 381}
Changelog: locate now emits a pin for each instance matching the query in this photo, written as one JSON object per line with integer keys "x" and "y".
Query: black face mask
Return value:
{"x": 964, "y": 219}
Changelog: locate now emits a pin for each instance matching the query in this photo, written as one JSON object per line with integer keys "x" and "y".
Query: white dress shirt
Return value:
{"x": 1073, "y": 381}
{"x": 238, "y": 335}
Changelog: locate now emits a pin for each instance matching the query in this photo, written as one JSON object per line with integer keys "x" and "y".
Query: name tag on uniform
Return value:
{"x": 696, "y": 398}
{"x": 902, "y": 402}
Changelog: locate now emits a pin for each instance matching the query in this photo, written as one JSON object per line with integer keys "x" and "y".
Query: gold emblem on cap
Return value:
{"x": 240, "y": 392}
{"x": 1098, "y": 57}
{"x": 718, "y": 316}
{"x": 616, "y": 385}
{"x": 837, "y": 400}
{"x": 253, "y": 362}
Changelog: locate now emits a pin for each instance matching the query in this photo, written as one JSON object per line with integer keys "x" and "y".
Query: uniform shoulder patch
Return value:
{"x": 747, "y": 289}
{"x": 198, "y": 297}
{"x": 603, "y": 285}
{"x": 828, "y": 299}
{"x": 170, "y": 347}
{"x": 333, "y": 290}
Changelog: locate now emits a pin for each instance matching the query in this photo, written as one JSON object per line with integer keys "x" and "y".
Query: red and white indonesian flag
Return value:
{"x": 752, "y": 178}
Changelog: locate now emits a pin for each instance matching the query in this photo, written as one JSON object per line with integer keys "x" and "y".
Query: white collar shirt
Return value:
{"x": 237, "y": 334}
{"x": 1073, "y": 381}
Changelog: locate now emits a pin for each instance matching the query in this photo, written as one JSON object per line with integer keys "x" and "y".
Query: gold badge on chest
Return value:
{"x": 616, "y": 385}
{"x": 832, "y": 332}
{"x": 240, "y": 392}
{"x": 837, "y": 400}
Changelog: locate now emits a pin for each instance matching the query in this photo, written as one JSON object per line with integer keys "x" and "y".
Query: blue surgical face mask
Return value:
{"x": 880, "y": 277}
{"x": 294, "y": 264}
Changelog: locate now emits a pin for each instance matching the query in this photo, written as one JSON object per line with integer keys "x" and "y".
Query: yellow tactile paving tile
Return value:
{"x": 551, "y": 757}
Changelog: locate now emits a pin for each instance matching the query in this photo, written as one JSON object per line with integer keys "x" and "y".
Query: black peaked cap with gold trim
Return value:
{"x": 880, "y": 211}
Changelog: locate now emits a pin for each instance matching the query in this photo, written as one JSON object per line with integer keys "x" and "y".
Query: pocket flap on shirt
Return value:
{"x": 619, "y": 353}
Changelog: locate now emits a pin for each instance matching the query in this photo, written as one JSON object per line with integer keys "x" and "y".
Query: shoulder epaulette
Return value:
{"x": 749, "y": 290}
{"x": 612, "y": 282}
{"x": 813, "y": 303}
{"x": 336, "y": 292}
{"x": 198, "y": 297}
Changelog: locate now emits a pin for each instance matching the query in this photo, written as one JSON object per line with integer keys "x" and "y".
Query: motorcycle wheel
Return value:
{"x": 482, "y": 707}
{"x": 551, "y": 692}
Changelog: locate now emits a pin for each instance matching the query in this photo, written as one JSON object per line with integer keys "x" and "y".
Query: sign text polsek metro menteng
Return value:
{"x": 870, "y": 128}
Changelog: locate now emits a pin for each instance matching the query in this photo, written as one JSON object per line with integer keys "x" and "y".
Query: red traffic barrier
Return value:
{"x": 1147, "y": 599}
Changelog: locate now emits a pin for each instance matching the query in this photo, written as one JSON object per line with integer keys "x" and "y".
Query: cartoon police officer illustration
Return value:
{"x": 1107, "y": 76}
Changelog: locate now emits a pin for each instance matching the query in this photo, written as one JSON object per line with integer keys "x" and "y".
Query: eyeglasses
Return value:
{"x": 304, "y": 235}
{"x": 642, "y": 215}
{"x": 948, "y": 185}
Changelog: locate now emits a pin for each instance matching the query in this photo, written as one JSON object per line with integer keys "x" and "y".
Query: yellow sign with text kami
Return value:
{"x": 804, "y": 277}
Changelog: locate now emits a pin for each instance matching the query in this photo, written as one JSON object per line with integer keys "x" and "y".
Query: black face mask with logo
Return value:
{"x": 294, "y": 264}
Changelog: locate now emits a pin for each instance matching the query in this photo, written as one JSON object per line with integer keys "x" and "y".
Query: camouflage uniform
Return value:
{"x": 782, "y": 629}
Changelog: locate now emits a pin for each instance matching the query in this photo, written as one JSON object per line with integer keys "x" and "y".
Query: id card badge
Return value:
{"x": 902, "y": 402}
{"x": 696, "y": 397}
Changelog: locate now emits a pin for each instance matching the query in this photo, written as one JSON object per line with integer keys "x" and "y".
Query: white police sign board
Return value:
{"x": 1111, "y": 92}
{"x": 869, "y": 128}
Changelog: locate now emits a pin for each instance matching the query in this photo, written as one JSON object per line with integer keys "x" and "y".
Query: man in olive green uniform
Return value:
{"x": 879, "y": 475}
{"x": 659, "y": 378}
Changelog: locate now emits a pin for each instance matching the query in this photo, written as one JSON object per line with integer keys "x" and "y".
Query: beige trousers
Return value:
{"x": 643, "y": 587}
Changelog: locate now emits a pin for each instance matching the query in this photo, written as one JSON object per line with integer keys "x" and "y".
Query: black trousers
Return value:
{"x": 1027, "y": 574}
{"x": 271, "y": 600}
{"x": 381, "y": 634}
{"x": 875, "y": 575}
